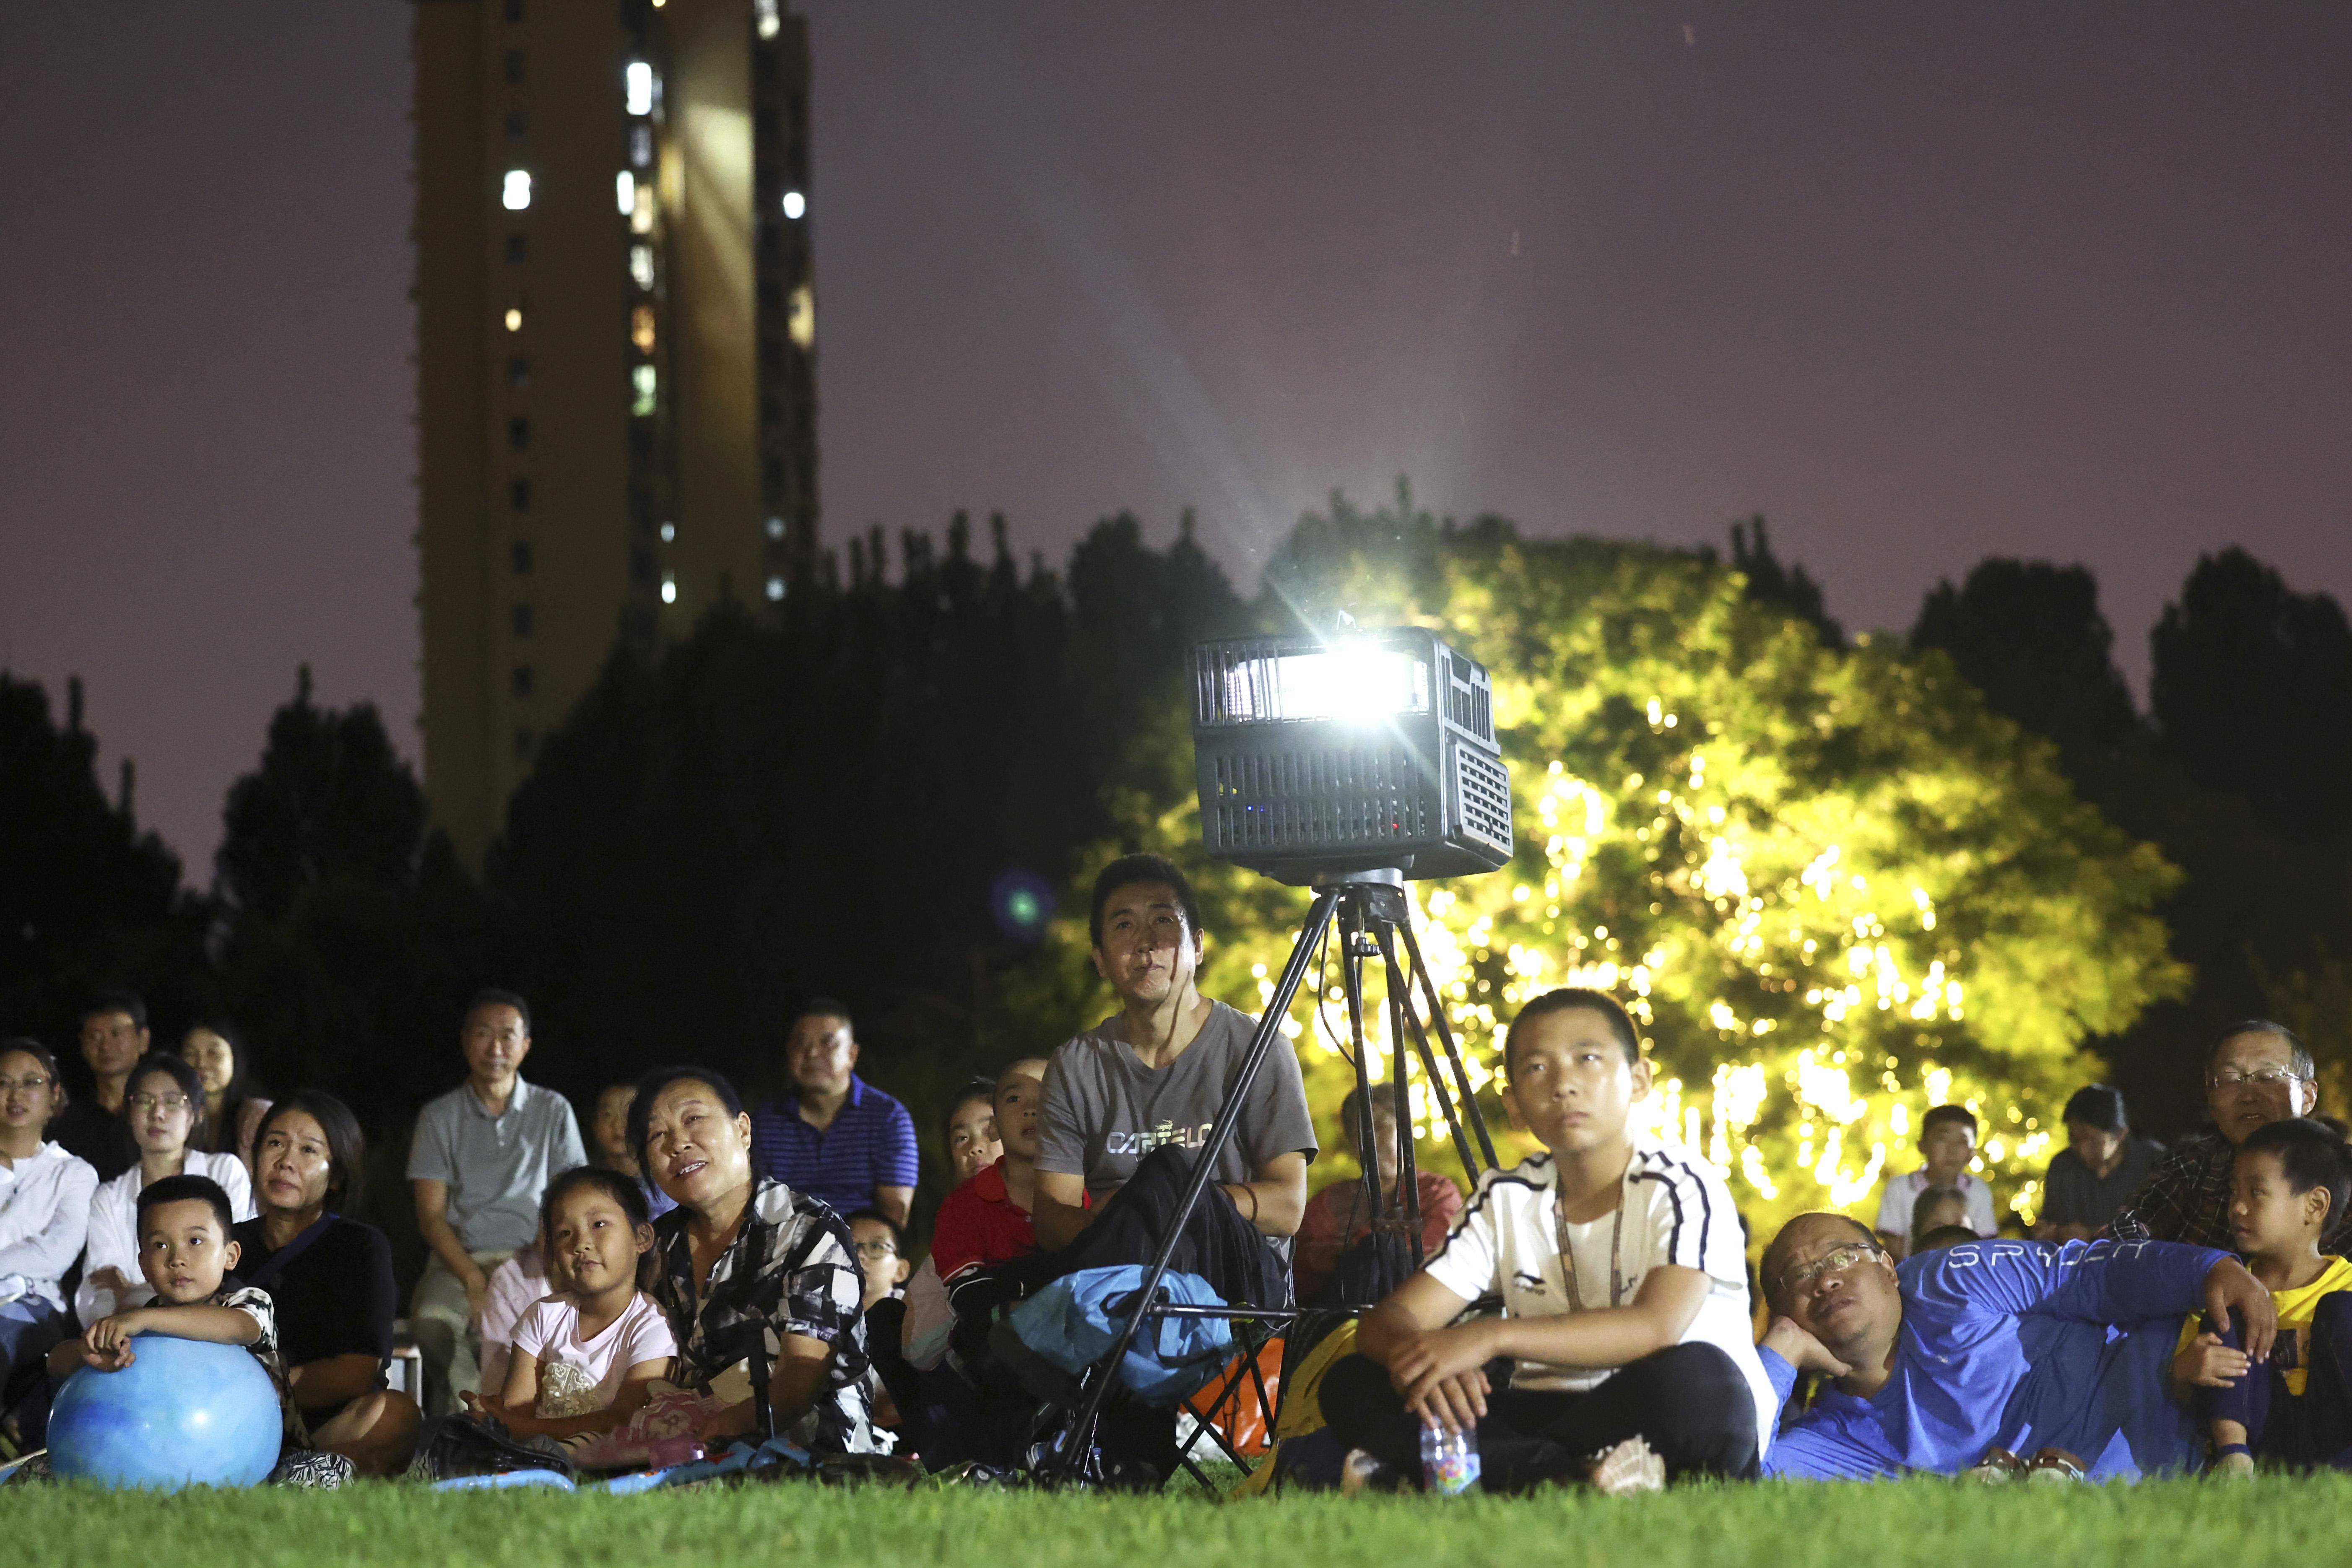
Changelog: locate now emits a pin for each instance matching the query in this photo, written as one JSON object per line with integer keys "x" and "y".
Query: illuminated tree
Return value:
{"x": 1834, "y": 888}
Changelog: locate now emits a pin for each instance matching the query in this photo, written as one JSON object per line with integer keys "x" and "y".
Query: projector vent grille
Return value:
{"x": 1320, "y": 801}
{"x": 1485, "y": 797}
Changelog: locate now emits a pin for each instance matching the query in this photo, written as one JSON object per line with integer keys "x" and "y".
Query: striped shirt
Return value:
{"x": 1676, "y": 1213}
{"x": 870, "y": 1145}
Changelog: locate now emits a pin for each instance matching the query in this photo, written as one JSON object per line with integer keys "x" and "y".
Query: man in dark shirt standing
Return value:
{"x": 837, "y": 1137}
{"x": 113, "y": 1038}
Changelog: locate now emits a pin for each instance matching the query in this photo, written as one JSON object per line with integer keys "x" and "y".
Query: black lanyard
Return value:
{"x": 1568, "y": 1254}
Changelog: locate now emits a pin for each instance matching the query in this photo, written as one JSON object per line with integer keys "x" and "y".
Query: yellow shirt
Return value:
{"x": 2295, "y": 1310}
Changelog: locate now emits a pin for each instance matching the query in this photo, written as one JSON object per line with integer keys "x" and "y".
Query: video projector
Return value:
{"x": 1369, "y": 751}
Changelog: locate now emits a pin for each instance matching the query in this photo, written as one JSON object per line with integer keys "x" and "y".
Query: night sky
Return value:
{"x": 1922, "y": 284}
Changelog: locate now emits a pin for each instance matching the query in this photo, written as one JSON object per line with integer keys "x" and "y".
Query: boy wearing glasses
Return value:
{"x": 2259, "y": 1073}
{"x": 1989, "y": 1349}
{"x": 1625, "y": 1339}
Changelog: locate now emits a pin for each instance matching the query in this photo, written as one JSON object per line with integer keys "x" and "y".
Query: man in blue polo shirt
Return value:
{"x": 838, "y": 1138}
{"x": 1996, "y": 1349}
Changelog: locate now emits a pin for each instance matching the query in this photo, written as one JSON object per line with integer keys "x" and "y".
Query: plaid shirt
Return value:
{"x": 2186, "y": 1199}
{"x": 792, "y": 1269}
{"x": 258, "y": 1305}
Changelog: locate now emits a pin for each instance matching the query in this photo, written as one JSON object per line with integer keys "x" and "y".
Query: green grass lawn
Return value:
{"x": 1945, "y": 1524}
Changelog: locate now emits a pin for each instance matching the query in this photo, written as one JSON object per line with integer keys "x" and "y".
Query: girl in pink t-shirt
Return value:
{"x": 585, "y": 1358}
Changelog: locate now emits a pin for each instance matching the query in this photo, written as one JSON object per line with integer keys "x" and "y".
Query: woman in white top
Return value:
{"x": 43, "y": 1207}
{"x": 163, "y": 1105}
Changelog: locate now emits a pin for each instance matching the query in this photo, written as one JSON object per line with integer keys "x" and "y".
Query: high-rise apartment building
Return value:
{"x": 617, "y": 393}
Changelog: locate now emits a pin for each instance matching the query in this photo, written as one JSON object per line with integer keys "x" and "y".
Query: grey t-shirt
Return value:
{"x": 495, "y": 1166}
{"x": 2072, "y": 1195}
{"x": 1104, "y": 1109}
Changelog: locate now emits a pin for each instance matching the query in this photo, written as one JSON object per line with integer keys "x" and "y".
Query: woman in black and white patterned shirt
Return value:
{"x": 750, "y": 1272}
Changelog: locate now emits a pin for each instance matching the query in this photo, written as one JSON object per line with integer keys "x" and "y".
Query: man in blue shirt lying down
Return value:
{"x": 2015, "y": 1345}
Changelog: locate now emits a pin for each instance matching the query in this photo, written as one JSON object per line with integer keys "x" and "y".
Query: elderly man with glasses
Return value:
{"x": 1965, "y": 1358}
{"x": 2259, "y": 1073}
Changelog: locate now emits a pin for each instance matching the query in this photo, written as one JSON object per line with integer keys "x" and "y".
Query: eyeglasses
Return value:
{"x": 1836, "y": 1261}
{"x": 877, "y": 1249}
{"x": 2260, "y": 1078}
{"x": 158, "y": 1102}
{"x": 30, "y": 1085}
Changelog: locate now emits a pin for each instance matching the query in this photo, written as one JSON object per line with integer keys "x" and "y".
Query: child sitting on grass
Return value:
{"x": 2291, "y": 1180}
{"x": 585, "y": 1358}
{"x": 185, "y": 1250}
{"x": 1623, "y": 1280}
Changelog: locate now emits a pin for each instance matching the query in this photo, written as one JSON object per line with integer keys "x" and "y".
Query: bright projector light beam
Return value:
{"x": 1347, "y": 682}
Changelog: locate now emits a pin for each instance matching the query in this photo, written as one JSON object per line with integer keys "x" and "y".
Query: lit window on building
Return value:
{"x": 775, "y": 527}
{"x": 639, "y": 78}
{"x": 641, "y": 328}
{"x": 802, "y": 322}
{"x": 669, "y": 588}
{"x": 641, "y": 220}
{"x": 770, "y": 23}
{"x": 641, "y": 264}
{"x": 670, "y": 533}
{"x": 523, "y": 621}
{"x": 514, "y": 318}
{"x": 522, "y": 558}
{"x": 516, "y": 193}
{"x": 775, "y": 587}
{"x": 795, "y": 205}
{"x": 641, "y": 146}
{"x": 523, "y": 680}
{"x": 644, "y": 380}
{"x": 625, "y": 193}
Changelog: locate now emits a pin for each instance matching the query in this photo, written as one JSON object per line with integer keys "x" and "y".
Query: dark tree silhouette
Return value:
{"x": 2253, "y": 693}
{"x": 348, "y": 935}
{"x": 824, "y": 803}
{"x": 1790, "y": 587}
{"x": 86, "y": 899}
{"x": 2028, "y": 635}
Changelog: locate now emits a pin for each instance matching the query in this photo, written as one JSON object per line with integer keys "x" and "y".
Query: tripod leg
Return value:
{"x": 1099, "y": 1380}
{"x": 1407, "y": 1178}
{"x": 1400, "y": 989}
{"x": 1445, "y": 1034}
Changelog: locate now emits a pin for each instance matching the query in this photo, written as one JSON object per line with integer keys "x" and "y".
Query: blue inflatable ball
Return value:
{"x": 184, "y": 1413}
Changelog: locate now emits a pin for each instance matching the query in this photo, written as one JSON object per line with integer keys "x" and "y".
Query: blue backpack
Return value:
{"x": 1072, "y": 1322}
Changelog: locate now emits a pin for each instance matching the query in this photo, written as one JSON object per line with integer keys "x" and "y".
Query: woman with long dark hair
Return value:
{"x": 232, "y": 1109}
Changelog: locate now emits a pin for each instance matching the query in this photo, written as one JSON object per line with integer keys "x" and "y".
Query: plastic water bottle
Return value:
{"x": 1449, "y": 1460}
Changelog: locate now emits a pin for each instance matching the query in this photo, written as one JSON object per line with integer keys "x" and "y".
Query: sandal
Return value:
{"x": 1998, "y": 1465}
{"x": 2056, "y": 1465}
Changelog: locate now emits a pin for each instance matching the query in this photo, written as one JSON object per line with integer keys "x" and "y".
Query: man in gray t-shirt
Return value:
{"x": 1128, "y": 1101}
{"x": 1104, "y": 1109}
{"x": 481, "y": 1155}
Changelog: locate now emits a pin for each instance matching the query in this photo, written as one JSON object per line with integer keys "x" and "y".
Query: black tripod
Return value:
{"x": 1370, "y": 913}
